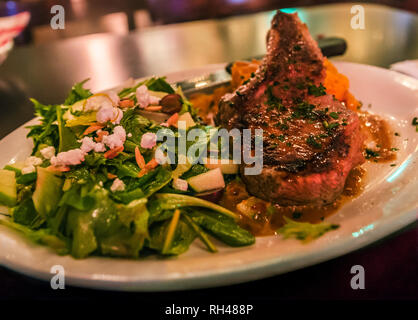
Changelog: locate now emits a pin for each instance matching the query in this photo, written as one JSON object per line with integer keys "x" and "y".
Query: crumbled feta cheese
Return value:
{"x": 48, "y": 152}
{"x": 180, "y": 184}
{"x": 87, "y": 144}
{"x": 117, "y": 185}
{"x": 109, "y": 113}
{"x": 129, "y": 135}
{"x": 70, "y": 157}
{"x": 148, "y": 140}
{"x": 28, "y": 169}
{"x": 33, "y": 161}
{"x": 116, "y": 139}
{"x": 144, "y": 98}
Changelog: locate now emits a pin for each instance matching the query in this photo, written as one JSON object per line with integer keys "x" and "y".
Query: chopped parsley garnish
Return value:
{"x": 316, "y": 91}
{"x": 297, "y": 47}
{"x": 333, "y": 125}
{"x": 312, "y": 141}
{"x": 273, "y": 101}
{"x": 300, "y": 86}
{"x": 304, "y": 110}
{"x": 397, "y": 134}
{"x": 296, "y": 214}
{"x": 333, "y": 115}
{"x": 281, "y": 137}
{"x": 371, "y": 153}
{"x": 415, "y": 123}
{"x": 393, "y": 165}
{"x": 394, "y": 149}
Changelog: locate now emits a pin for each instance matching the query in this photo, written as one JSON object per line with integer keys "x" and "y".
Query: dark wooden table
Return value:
{"x": 47, "y": 72}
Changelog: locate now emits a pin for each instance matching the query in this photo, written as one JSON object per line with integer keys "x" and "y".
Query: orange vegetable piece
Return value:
{"x": 139, "y": 158}
{"x": 94, "y": 127}
{"x": 111, "y": 176}
{"x": 59, "y": 168}
{"x": 112, "y": 153}
{"x": 100, "y": 136}
{"x": 127, "y": 103}
{"x": 172, "y": 121}
{"x": 153, "y": 108}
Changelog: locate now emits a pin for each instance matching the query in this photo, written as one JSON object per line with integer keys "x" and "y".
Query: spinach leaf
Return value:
{"x": 221, "y": 227}
{"x": 183, "y": 237}
{"x": 27, "y": 178}
{"x": 25, "y": 214}
{"x": 194, "y": 171}
{"x": 168, "y": 201}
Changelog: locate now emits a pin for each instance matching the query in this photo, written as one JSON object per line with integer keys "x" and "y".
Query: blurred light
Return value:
{"x": 11, "y": 7}
{"x": 289, "y": 10}
{"x": 398, "y": 171}
{"x": 300, "y": 12}
{"x": 363, "y": 230}
{"x": 236, "y": 1}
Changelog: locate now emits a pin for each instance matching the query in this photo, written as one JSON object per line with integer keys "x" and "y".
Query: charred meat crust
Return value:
{"x": 310, "y": 140}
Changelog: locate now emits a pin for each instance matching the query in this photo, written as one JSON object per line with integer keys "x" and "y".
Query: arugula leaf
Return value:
{"x": 154, "y": 84}
{"x": 135, "y": 124}
{"x": 77, "y": 93}
{"x": 159, "y": 84}
{"x": 45, "y": 133}
{"x": 304, "y": 230}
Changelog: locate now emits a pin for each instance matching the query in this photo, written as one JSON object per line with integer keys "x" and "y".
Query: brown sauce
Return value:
{"x": 263, "y": 218}
{"x": 378, "y": 138}
{"x": 267, "y": 218}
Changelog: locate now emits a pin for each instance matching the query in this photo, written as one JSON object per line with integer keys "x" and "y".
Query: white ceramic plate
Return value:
{"x": 388, "y": 203}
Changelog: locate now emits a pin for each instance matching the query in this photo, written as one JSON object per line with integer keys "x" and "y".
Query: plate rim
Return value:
{"x": 231, "y": 274}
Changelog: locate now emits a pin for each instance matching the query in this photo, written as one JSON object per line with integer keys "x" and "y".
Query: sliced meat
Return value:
{"x": 310, "y": 140}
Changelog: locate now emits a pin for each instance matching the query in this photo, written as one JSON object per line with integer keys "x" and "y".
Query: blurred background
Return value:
{"x": 110, "y": 41}
{"x": 122, "y": 16}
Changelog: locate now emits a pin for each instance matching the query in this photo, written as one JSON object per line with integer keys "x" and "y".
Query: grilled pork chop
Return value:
{"x": 310, "y": 140}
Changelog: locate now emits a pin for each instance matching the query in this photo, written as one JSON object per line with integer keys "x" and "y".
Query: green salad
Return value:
{"x": 93, "y": 184}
